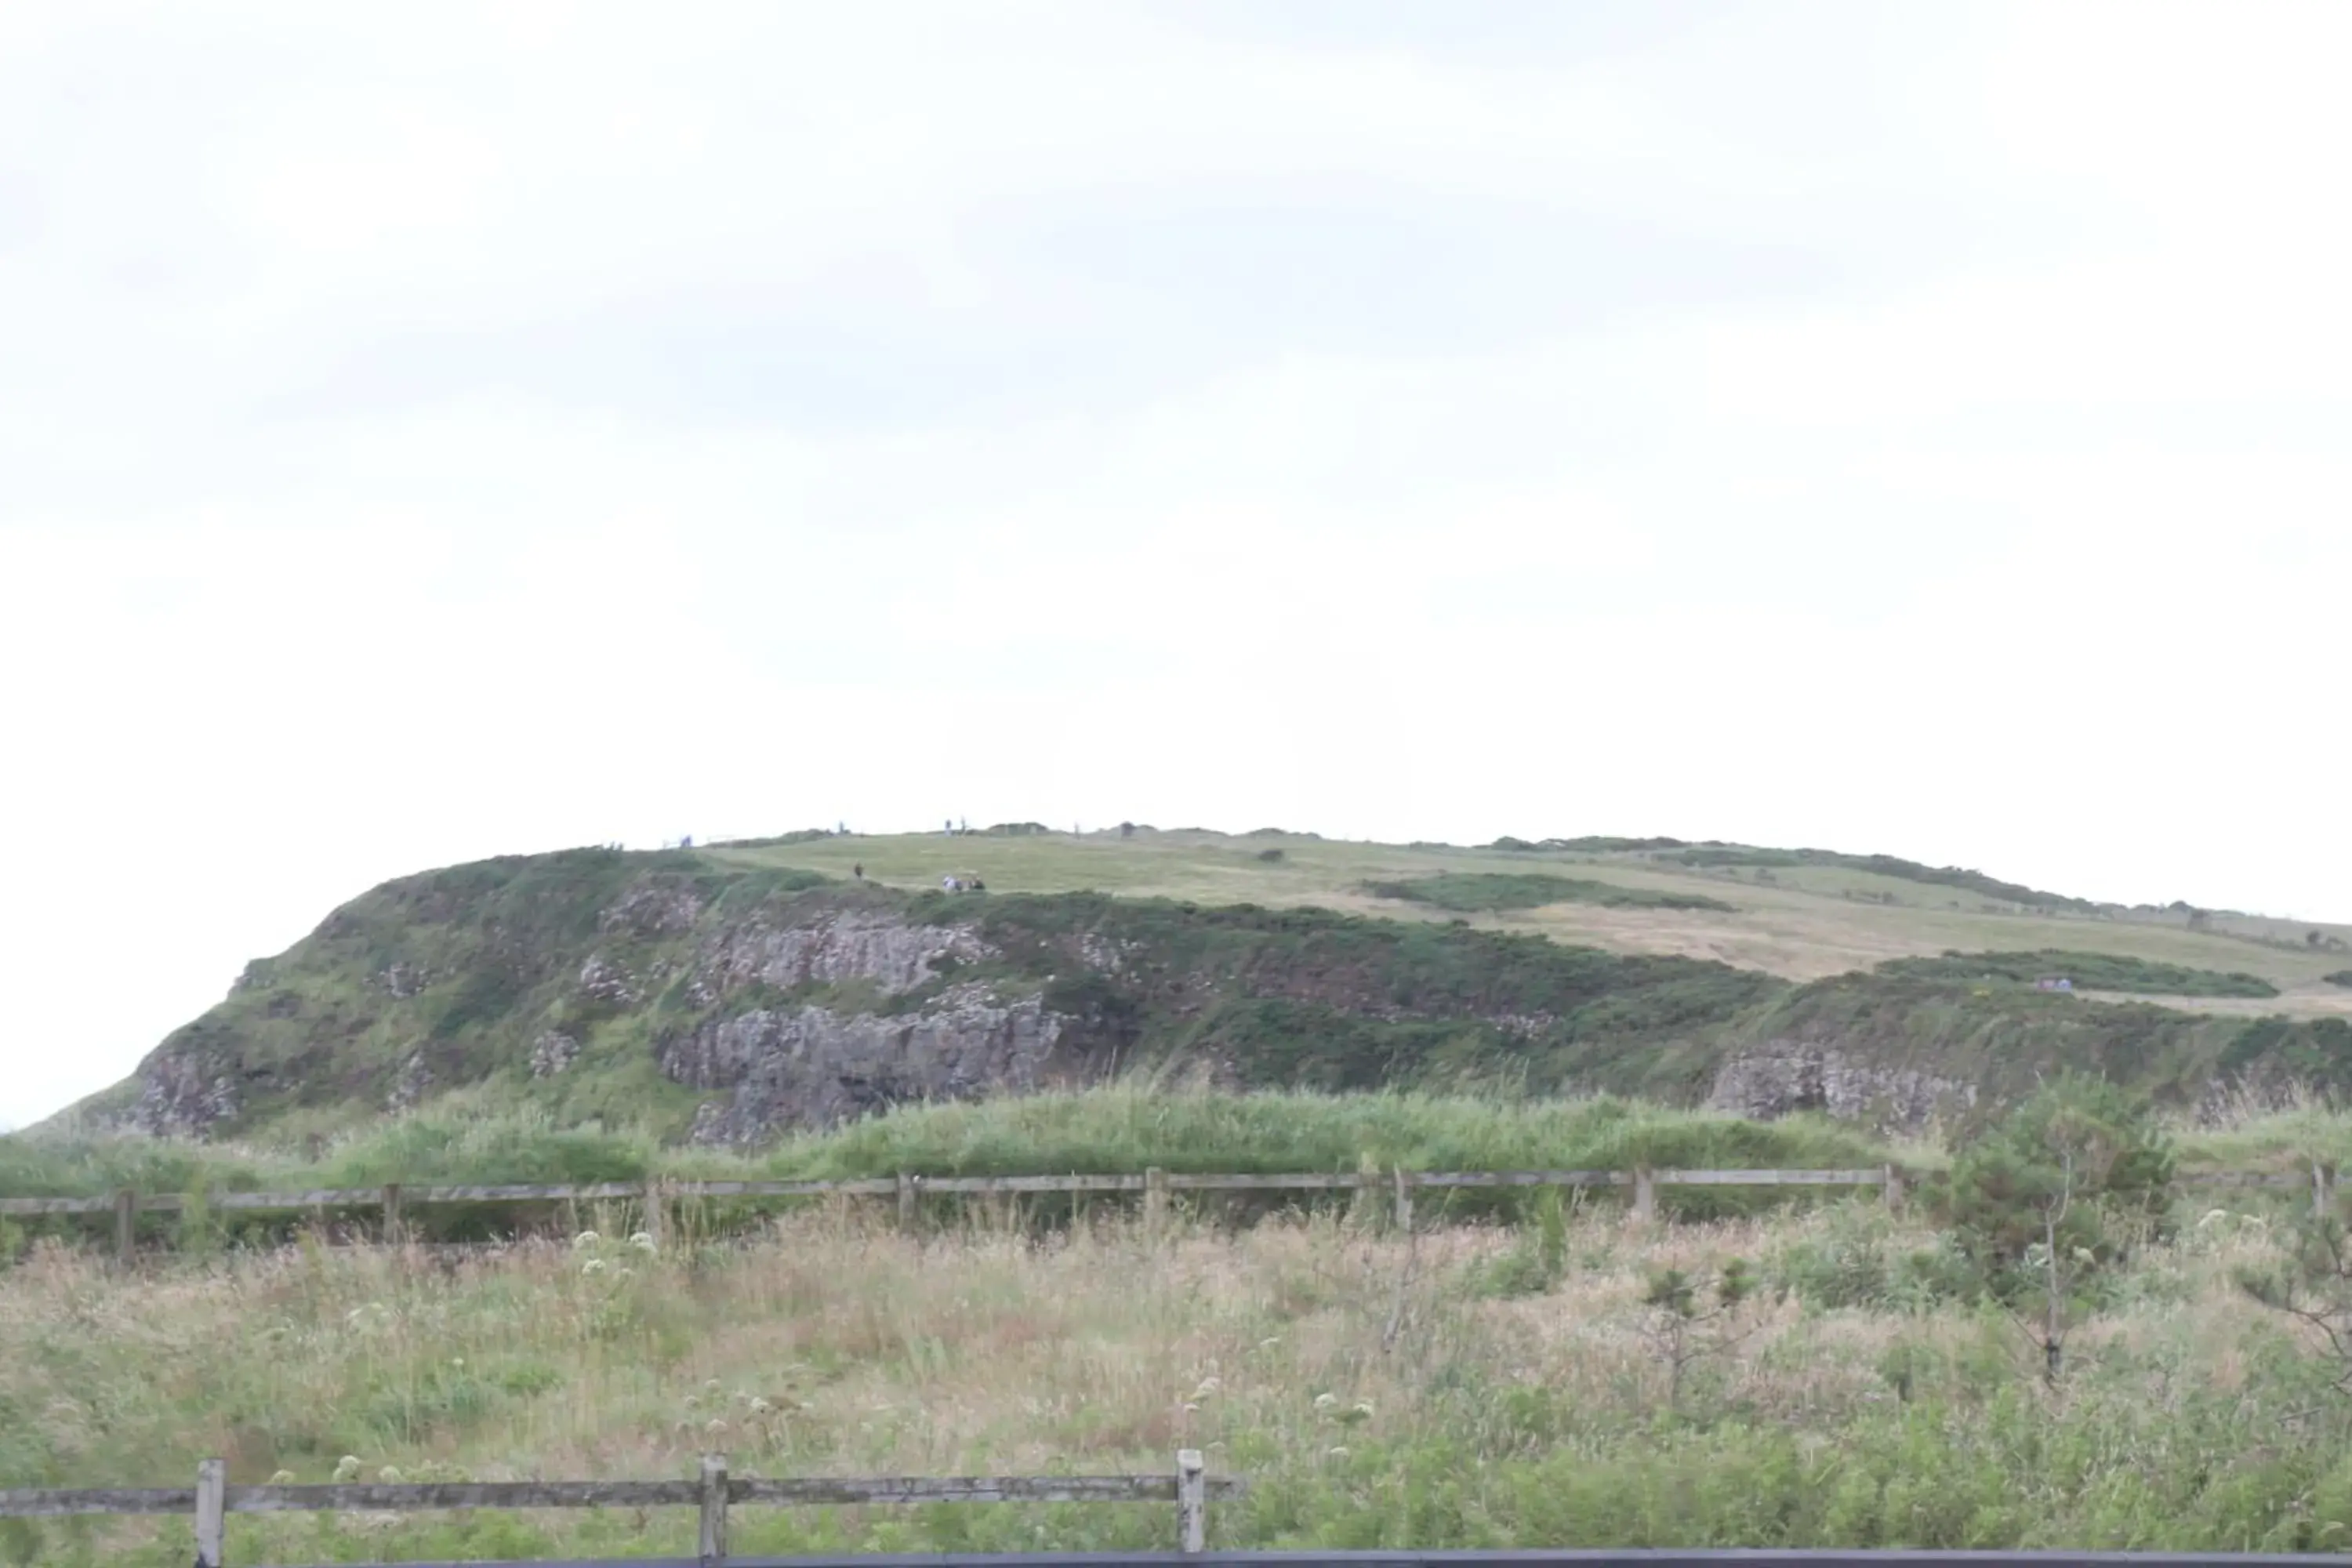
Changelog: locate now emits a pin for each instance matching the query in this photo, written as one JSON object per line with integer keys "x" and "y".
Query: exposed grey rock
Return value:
{"x": 852, "y": 945}
{"x": 409, "y": 1087}
{"x": 652, "y": 907}
{"x": 1782, "y": 1077}
{"x": 404, "y": 980}
{"x": 551, "y": 1053}
{"x": 811, "y": 1067}
{"x": 1100, "y": 952}
{"x": 2227, "y": 1100}
{"x": 184, "y": 1094}
{"x": 606, "y": 981}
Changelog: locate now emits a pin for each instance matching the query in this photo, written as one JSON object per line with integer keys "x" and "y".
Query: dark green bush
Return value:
{"x": 1477, "y": 891}
{"x": 2087, "y": 971}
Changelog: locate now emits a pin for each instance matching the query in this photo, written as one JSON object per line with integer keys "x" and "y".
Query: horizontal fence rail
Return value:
{"x": 212, "y": 1499}
{"x": 660, "y": 1196}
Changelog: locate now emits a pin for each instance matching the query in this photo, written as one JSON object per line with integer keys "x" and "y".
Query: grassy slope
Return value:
{"x": 1807, "y": 923}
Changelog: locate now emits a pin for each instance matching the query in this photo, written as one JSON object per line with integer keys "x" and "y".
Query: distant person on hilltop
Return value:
{"x": 858, "y": 870}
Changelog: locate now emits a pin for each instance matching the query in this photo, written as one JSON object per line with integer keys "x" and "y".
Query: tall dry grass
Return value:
{"x": 1371, "y": 1387}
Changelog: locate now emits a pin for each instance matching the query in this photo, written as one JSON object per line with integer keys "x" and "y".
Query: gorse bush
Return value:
{"x": 1855, "y": 1256}
{"x": 1470, "y": 892}
{"x": 1539, "y": 1259}
{"x": 2087, "y": 971}
{"x": 2047, "y": 1202}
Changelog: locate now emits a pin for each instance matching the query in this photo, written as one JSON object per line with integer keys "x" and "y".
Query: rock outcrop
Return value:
{"x": 1781, "y": 1078}
{"x": 889, "y": 952}
{"x": 811, "y": 1067}
{"x": 183, "y": 1093}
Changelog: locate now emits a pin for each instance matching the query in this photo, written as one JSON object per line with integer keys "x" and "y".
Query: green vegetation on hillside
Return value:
{"x": 1476, "y": 892}
{"x": 2340, "y": 977}
{"x": 1591, "y": 844}
{"x": 1975, "y": 882}
{"x": 2005, "y": 1041}
{"x": 2087, "y": 971}
{"x": 1312, "y": 999}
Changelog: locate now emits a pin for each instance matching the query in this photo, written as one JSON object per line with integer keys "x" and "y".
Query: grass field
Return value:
{"x": 1377, "y": 1393}
{"x": 1803, "y": 921}
{"x": 1496, "y": 1380}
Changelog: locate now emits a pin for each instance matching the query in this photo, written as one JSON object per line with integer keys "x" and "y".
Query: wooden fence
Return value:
{"x": 212, "y": 1499}
{"x": 659, "y": 1198}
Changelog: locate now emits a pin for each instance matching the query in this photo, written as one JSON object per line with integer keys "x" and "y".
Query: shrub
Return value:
{"x": 1472, "y": 891}
{"x": 1852, "y": 1260}
{"x": 2088, "y": 971}
{"x": 2041, "y": 1201}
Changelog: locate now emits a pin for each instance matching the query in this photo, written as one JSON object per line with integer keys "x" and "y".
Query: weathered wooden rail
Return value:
{"x": 659, "y": 1197}
{"x": 212, "y": 1499}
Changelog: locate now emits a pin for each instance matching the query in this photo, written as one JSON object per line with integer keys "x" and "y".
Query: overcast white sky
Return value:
{"x": 430, "y": 431}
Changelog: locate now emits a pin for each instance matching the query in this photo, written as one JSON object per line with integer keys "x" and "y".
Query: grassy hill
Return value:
{"x": 1799, "y": 914}
{"x": 738, "y": 991}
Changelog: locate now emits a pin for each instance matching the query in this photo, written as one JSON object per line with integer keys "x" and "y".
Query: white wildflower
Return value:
{"x": 1326, "y": 1401}
{"x": 594, "y": 1266}
{"x": 760, "y": 1406}
{"x": 642, "y": 1242}
{"x": 281, "y": 1477}
{"x": 347, "y": 1468}
{"x": 1337, "y": 1453}
{"x": 389, "y": 1476}
{"x": 585, "y": 1238}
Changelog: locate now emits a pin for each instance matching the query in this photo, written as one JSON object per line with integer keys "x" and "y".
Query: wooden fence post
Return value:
{"x": 126, "y": 1224}
{"x": 714, "y": 1510}
{"x": 1155, "y": 1203}
{"x": 905, "y": 1202}
{"x": 1192, "y": 1501}
{"x": 1645, "y": 1195}
{"x": 392, "y": 1214}
{"x": 1894, "y": 1189}
{"x": 1405, "y": 1184}
{"x": 212, "y": 1511}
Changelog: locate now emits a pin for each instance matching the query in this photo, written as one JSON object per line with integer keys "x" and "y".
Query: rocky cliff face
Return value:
{"x": 1784, "y": 1076}
{"x": 812, "y": 1067}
